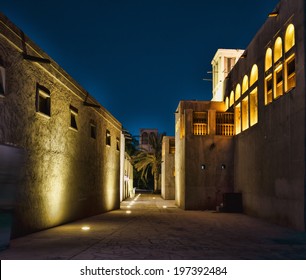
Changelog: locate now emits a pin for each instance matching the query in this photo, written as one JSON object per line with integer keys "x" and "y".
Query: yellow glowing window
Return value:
{"x": 200, "y": 123}
{"x": 231, "y": 99}
{"x": 268, "y": 60}
{"x": 238, "y": 119}
{"x": 224, "y": 124}
{"x": 254, "y": 75}
{"x": 278, "y": 49}
{"x": 278, "y": 81}
{"x": 253, "y": 107}
{"x": 290, "y": 73}
{"x": 245, "y": 84}
{"x": 182, "y": 126}
{"x": 268, "y": 89}
{"x": 238, "y": 92}
{"x": 289, "y": 37}
{"x": 226, "y": 103}
{"x": 245, "y": 113}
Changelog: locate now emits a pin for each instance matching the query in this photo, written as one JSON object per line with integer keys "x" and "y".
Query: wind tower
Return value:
{"x": 222, "y": 63}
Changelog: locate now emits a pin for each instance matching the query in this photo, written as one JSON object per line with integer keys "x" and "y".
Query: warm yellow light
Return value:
{"x": 85, "y": 228}
{"x": 129, "y": 206}
{"x": 164, "y": 206}
{"x": 153, "y": 197}
{"x": 273, "y": 14}
{"x": 128, "y": 212}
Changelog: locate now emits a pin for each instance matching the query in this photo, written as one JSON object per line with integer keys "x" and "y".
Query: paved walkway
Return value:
{"x": 156, "y": 229}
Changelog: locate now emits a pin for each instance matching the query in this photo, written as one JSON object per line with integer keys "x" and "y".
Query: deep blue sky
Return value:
{"x": 138, "y": 58}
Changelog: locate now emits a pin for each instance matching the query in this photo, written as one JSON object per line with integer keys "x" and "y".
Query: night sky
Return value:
{"x": 139, "y": 58}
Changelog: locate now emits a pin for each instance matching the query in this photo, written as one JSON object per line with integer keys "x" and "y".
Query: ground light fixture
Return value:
{"x": 85, "y": 228}
{"x": 128, "y": 212}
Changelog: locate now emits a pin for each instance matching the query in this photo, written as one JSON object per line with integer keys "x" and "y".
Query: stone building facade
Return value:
{"x": 253, "y": 141}
{"x": 266, "y": 91}
{"x": 203, "y": 154}
{"x": 72, "y": 143}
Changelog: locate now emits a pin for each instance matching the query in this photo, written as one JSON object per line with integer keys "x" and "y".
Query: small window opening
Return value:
{"x": 43, "y": 104}
{"x": 117, "y": 144}
{"x": 73, "y": 117}
{"x": 93, "y": 130}
{"x": 108, "y": 138}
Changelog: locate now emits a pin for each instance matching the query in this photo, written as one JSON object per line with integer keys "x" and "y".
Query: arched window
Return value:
{"x": 268, "y": 60}
{"x": 231, "y": 98}
{"x": 269, "y": 77}
{"x": 238, "y": 92}
{"x": 253, "y": 96}
{"x": 254, "y": 75}
{"x": 245, "y": 113}
{"x": 245, "y": 84}
{"x": 289, "y": 37}
{"x": 145, "y": 138}
{"x": 278, "y": 49}
{"x": 238, "y": 119}
{"x": 290, "y": 76}
{"x": 226, "y": 103}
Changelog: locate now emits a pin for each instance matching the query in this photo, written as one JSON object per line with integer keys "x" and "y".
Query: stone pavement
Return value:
{"x": 157, "y": 229}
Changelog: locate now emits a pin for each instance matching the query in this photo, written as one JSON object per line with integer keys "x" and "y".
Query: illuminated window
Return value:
{"x": 238, "y": 118}
{"x": 253, "y": 107}
{"x": 289, "y": 38}
{"x": 43, "y": 104}
{"x": 278, "y": 49}
{"x": 73, "y": 117}
{"x": 237, "y": 92}
{"x": 2, "y": 80}
{"x": 290, "y": 73}
{"x": 232, "y": 99}
{"x": 108, "y": 138}
{"x": 182, "y": 126}
{"x": 145, "y": 138}
{"x": 254, "y": 75}
{"x": 245, "y": 84}
{"x": 224, "y": 124}
{"x": 200, "y": 123}
{"x": 245, "y": 113}
{"x": 226, "y": 103}
{"x": 268, "y": 60}
{"x": 93, "y": 130}
{"x": 278, "y": 81}
{"x": 269, "y": 77}
{"x": 268, "y": 89}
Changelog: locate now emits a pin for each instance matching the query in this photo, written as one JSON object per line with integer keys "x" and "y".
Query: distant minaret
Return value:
{"x": 222, "y": 63}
